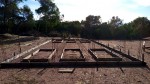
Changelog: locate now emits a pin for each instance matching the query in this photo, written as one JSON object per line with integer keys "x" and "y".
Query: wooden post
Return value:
{"x": 111, "y": 50}
{"x": 143, "y": 57}
{"x": 97, "y": 66}
{"x": 20, "y": 49}
{"x": 88, "y": 45}
{"x": 128, "y": 52}
{"x": 14, "y": 53}
{"x": 52, "y": 43}
{"x": 143, "y": 46}
{"x": 94, "y": 45}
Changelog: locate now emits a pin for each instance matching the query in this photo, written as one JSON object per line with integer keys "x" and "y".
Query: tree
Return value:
{"x": 92, "y": 20}
{"x": 50, "y": 14}
{"x": 28, "y": 23}
{"x": 89, "y": 26}
{"x": 105, "y": 32}
{"x": 141, "y": 26}
{"x": 9, "y": 14}
{"x": 26, "y": 13}
{"x": 69, "y": 28}
{"x": 115, "y": 22}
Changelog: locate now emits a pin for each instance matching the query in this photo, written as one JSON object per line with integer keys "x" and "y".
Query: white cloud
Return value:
{"x": 79, "y": 9}
{"x": 145, "y": 3}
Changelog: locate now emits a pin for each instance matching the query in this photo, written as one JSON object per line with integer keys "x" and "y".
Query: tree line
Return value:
{"x": 20, "y": 20}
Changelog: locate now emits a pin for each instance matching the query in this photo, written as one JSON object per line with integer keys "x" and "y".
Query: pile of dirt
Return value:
{"x": 7, "y": 36}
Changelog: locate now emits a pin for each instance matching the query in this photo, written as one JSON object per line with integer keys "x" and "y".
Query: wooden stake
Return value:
{"x": 142, "y": 57}
{"x": 14, "y": 53}
{"x": 128, "y": 52}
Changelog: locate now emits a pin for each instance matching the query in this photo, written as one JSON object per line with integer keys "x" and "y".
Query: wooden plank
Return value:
{"x": 72, "y": 55}
{"x": 108, "y": 56}
{"x": 66, "y": 70}
{"x": 41, "y": 55}
{"x": 72, "y": 64}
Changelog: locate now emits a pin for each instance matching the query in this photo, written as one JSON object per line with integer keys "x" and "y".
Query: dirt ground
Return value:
{"x": 102, "y": 54}
{"x": 9, "y": 50}
{"x": 120, "y": 75}
{"x": 71, "y": 54}
{"x": 41, "y": 55}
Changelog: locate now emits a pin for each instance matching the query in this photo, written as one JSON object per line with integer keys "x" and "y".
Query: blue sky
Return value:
{"x": 127, "y": 10}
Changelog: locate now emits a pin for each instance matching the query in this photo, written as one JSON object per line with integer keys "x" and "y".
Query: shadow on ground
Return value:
{"x": 22, "y": 39}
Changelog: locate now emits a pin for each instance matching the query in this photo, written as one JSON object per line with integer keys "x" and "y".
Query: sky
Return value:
{"x": 73, "y": 10}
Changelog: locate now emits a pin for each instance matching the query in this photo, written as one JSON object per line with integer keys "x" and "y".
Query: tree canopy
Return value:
{"x": 20, "y": 20}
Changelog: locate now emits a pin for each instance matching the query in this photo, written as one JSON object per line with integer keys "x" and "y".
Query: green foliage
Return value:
{"x": 20, "y": 20}
{"x": 92, "y": 21}
{"x": 141, "y": 26}
{"x": 69, "y": 28}
{"x": 26, "y": 13}
{"x": 49, "y": 16}
{"x": 115, "y": 29}
{"x": 115, "y": 22}
{"x": 90, "y": 26}
{"x": 10, "y": 15}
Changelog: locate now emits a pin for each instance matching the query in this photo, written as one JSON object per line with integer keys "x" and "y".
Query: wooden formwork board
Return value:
{"x": 85, "y": 41}
{"x": 66, "y": 70}
{"x": 103, "y": 55}
{"x": 72, "y": 55}
{"x": 70, "y": 40}
{"x": 147, "y": 48}
{"x": 25, "y": 52}
{"x": 57, "y": 41}
{"x": 41, "y": 55}
{"x": 118, "y": 52}
{"x": 80, "y": 64}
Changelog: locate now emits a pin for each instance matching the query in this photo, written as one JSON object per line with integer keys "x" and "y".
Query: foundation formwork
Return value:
{"x": 77, "y": 62}
{"x": 37, "y": 56}
{"x": 104, "y": 55}
{"x": 57, "y": 40}
{"x": 84, "y": 41}
{"x": 118, "y": 52}
{"x": 70, "y": 41}
{"x": 72, "y": 55}
{"x": 72, "y": 64}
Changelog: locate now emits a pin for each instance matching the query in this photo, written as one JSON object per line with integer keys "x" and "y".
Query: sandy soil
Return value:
{"x": 41, "y": 55}
{"x": 135, "y": 48}
{"x": 102, "y": 54}
{"x": 8, "y": 51}
{"x": 71, "y": 54}
{"x": 99, "y": 75}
